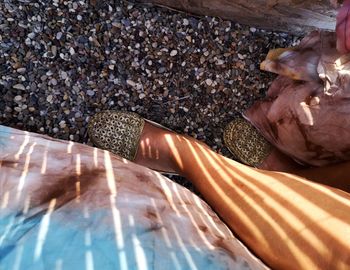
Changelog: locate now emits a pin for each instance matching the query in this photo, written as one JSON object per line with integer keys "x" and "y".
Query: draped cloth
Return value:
{"x": 306, "y": 111}
{"x": 71, "y": 206}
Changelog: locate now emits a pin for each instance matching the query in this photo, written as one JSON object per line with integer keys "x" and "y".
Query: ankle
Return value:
{"x": 182, "y": 149}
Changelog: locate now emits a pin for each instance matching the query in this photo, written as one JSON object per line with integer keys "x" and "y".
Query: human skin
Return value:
{"x": 286, "y": 220}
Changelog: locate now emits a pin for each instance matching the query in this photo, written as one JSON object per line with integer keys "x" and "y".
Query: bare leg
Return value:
{"x": 289, "y": 222}
{"x": 277, "y": 161}
{"x": 153, "y": 150}
{"x": 337, "y": 175}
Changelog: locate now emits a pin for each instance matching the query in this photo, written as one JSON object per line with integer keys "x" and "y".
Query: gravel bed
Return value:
{"x": 63, "y": 61}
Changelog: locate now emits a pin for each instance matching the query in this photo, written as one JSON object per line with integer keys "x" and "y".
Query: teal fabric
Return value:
{"x": 74, "y": 242}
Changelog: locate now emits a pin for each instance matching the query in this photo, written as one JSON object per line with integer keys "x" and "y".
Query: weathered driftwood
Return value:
{"x": 70, "y": 206}
{"x": 297, "y": 16}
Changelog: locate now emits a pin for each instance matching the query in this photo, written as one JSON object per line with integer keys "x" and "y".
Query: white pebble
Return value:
{"x": 131, "y": 83}
{"x": 90, "y": 93}
{"x": 54, "y": 50}
{"x": 21, "y": 70}
{"x": 62, "y": 124}
{"x": 18, "y": 98}
{"x": 79, "y": 17}
{"x": 186, "y": 22}
{"x": 142, "y": 95}
{"x": 220, "y": 62}
{"x": 59, "y": 35}
{"x": 31, "y": 35}
{"x": 252, "y": 29}
{"x": 49, "y": 98}
{"x": 173, "y": 53}
{"x": 53, "y": 81}
{"x": 64, "y": 75}
{"x": 209, "y": 82}
{"x": 19, "y": 86}
{"x": 71, "y": 51}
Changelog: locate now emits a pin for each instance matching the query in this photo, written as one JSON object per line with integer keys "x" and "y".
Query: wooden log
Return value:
{"x": 296, "y": 16}
{"x": 56, "y": 194}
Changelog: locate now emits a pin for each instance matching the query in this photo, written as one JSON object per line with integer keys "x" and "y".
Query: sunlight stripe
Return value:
{"x": 115, "y": 212}
{"x": 44, "y": 228}
{"x": 25, "y": 171}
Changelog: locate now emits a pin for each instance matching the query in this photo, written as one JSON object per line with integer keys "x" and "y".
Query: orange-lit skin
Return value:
{"x": 288, "y": 221}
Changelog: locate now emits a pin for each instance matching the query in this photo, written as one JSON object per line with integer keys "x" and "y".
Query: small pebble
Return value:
{"x": 17, "y": 98}
{"x": 240, "y": 56}
{"x": 54, "y": 51}
{"x": 90, "y": 93}
{"x": 209, "y": 82}
{"x": 64, "y": 75}
{"x": 173, "y": 53}
{"x": 62, "y": 124}
{"x": 21, "y": 70}
{"x": 252, "y": 29}
{"x": 131, "y": 83}
{"x": 59, "y": 35}
{"x": 53, "y": 81}
{"x": 49, "y": 98}
{"x": 31, "y": 35}
{"x": 19, "y": 86}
